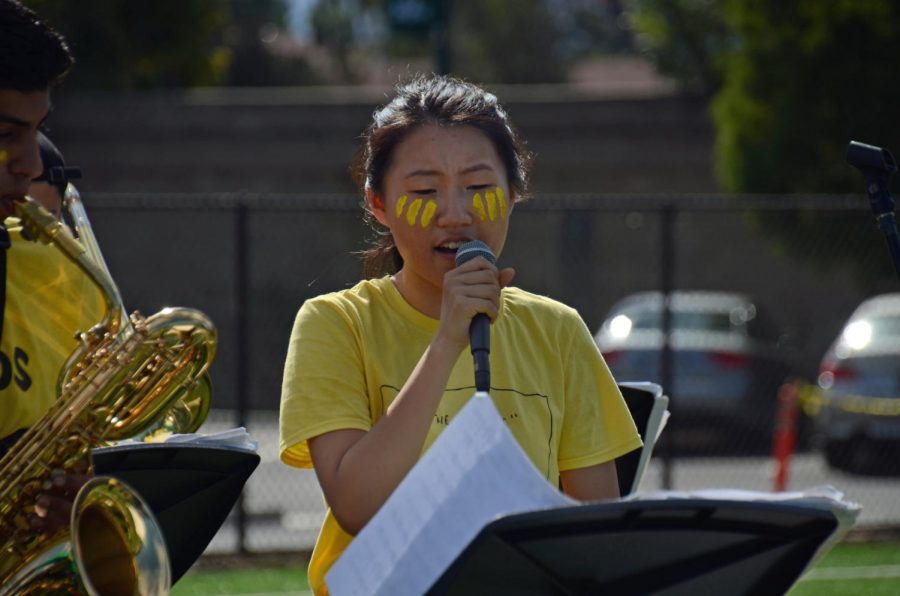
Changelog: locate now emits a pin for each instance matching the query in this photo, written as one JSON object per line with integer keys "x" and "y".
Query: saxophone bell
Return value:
{"x": 113, "y": 542}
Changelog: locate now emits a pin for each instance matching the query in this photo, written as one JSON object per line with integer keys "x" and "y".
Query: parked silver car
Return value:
{"x": 726, "y": 362}
{"x": 859, "y": 376}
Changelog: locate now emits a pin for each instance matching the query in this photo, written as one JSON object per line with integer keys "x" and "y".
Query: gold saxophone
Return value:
{"x": 129, "y": 376}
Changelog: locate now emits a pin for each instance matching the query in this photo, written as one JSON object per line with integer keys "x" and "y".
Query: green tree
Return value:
{"x": 490, "y": 41}
{"x": 686, "y": 39}
{"x": 121, "y": 45}
{"x": 804, "y": 79}
{"x": 791, "y": 84}
{"x": 142, "y": 45}
{"x": 533, "y": 41}
{"x": 505, "y": 41}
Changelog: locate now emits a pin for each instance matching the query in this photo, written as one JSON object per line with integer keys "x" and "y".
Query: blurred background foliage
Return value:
{"x": 142, "y": 45}
{"x": 182, "y": 43}
{"x": 788, "y": 83}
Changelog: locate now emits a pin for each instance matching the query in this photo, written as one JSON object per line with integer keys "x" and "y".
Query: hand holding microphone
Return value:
{"x": 480, "y": 327}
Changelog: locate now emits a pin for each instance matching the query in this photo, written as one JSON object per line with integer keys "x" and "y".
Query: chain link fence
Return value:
{"x": 801, "y": 264}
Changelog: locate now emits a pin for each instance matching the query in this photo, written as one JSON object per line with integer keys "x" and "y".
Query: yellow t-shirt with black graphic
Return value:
{"x": 351, "y": 351}
{"x": 48, "y": 300}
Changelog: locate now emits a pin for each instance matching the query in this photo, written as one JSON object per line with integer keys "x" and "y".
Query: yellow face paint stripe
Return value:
{"x": 413, "y": 211}
{"x": 428, "y": 212}
{"x": 491, "y": 205}
{"x": 496, "y": 206}
{"x": 3, "y": 155}
{"x": 401, "y": 202}
{"x": 478, "y": 206}
{"x": 501, "y": 199}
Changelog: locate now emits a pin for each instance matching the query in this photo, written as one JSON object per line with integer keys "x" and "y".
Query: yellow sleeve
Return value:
{"x": 324, "y": 387}
{"x": 597, "y": 426}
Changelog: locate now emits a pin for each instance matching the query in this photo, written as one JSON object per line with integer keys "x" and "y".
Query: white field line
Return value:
{"x": 868, "y": 572}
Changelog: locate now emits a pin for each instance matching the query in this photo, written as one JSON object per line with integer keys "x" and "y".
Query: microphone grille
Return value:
{"x": 472, "y": 249}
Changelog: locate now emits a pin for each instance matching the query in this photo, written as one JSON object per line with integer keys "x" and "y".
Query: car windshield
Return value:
{"x": 887, "y": 326}
{"x": 861, "y": 332}
{"x": 684, "y": 321}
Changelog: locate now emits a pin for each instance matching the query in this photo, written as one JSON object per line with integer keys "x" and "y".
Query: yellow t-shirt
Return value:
{"x": 351, "y": 351}
{"x": 48, "y": 300}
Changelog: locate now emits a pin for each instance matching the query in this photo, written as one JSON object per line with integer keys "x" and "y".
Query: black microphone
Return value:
{"x": 877, "y": 166}
{"x": 480, "y": 327}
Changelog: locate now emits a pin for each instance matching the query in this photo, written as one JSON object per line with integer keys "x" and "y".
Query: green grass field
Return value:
{"x": 854, "y": 568}
{"x": 243, "y": 581}
{"x": 850, "y": 568}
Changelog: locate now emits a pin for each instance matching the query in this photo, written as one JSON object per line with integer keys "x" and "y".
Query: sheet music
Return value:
{"x": 236, "y": 438}
{"x": 473, "y": 473}
{"x": 233, "y": 437}
{"x": 822, "y": 497}
{"x": 659, "y": 416}
{"x": 825, "y": 496}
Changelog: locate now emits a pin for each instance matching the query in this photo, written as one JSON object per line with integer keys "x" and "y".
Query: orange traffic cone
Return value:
{"x": 784, "y": 436}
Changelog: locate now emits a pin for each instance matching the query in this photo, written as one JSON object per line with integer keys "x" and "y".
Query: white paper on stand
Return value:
{"x": 233, "y": 438}
{"x": 824, "y": 497}
{"x": 474, "y": 473}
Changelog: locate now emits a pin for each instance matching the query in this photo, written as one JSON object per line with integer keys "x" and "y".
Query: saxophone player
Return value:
{"x": 46, "y": 299}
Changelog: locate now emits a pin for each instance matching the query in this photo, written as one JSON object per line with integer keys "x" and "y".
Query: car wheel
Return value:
{"x": 838, "y": 454}
{"x": 871, "y": 457}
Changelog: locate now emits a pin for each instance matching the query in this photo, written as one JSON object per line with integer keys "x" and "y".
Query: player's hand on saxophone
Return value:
{"x": 53, "y": 507}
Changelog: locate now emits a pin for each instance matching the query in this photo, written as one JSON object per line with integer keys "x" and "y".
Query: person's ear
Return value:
{"x": 512, "y": 201}
{"x": 377, "y": 207}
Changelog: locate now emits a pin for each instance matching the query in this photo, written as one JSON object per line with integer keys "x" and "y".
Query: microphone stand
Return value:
{"x": 878, "y": 165}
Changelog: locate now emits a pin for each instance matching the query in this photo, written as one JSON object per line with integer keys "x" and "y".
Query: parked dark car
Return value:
{"x": 859, "y": 377}
{"x": 726, "y": 363}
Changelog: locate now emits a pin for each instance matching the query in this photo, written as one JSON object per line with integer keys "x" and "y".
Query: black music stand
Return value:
{"x": 665, "y": 546}
{"x": 190, "y": 488}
